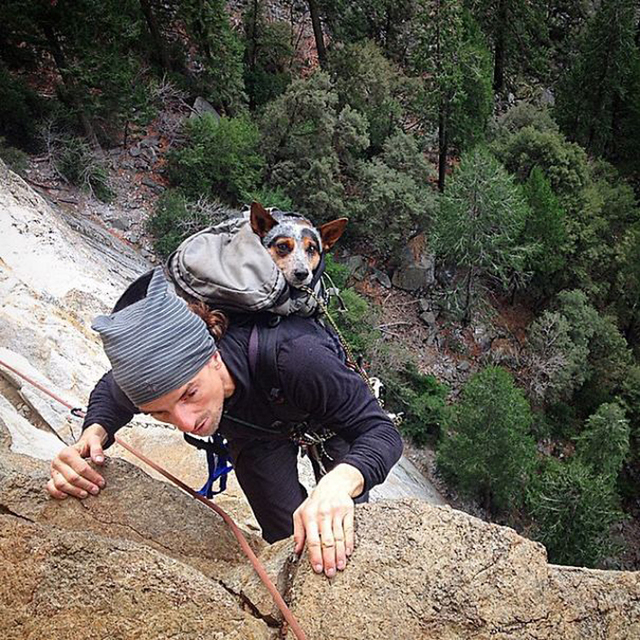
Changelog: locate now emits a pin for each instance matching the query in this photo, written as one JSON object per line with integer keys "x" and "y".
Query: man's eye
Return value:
{"x": 192, "y": 393}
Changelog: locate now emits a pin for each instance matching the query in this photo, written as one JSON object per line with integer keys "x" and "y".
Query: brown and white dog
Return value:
{"x": 294, "y": 243}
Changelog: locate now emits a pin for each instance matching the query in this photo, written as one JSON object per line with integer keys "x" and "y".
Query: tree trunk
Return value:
{"x": 467, "y": 305}
{"x": 70, "y": 93}
{"x": 500, "y": 49}
{"x": 317, "y": 32}
{"x": 443, "y": 144}
{"x": 156, "y": 36}
{"x": 252, "y": 48}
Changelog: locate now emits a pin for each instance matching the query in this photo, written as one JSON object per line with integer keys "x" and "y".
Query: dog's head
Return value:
{"x": 293, "y": 242}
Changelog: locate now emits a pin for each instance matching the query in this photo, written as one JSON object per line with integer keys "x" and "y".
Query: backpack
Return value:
{"x": 227, "y": 267}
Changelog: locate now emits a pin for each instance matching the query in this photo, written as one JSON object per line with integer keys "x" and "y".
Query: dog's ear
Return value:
{"x": 261, "y": 220}
{"x": 331, "y": 231}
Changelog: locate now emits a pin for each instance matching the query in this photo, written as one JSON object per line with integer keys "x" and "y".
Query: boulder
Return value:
{"x": 201, "y": 106}
{"x": 58, "y": 585}
{"x": 421, "y": 571}
{"x": 417, "y": 266}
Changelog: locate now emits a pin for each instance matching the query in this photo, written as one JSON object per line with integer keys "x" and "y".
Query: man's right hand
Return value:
{"x": 71, "y": 473}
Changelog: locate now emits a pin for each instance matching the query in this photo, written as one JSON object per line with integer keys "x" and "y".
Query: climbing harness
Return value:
{"x": 248, "y": 551}
{"x": 218, "y": 462}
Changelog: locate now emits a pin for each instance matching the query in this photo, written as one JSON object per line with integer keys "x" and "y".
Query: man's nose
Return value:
{"x": 184, "y": 419}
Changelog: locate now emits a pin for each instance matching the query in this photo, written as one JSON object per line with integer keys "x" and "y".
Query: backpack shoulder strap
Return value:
{"x": 264, "y": 340}
{"x": 263, "y": 355}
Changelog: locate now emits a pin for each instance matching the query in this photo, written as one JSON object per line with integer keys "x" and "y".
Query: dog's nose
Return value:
{"x": 301, "y": 274}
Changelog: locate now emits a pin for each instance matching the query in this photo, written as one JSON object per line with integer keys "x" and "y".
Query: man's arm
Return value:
{"x": 315, "y": 379}
{"x": 71, "y": 474}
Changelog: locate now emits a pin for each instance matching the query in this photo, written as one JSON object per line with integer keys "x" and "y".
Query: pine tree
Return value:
{"x": 486, "y": 450}
{"x": 308, "y": 142}
{"x": 604, "y": 442}
{"x": 545, "y": 226}
{"x": 573, "y": 510}
{"x": 221, "y": 49}
{"x": 387, "y": 22}
{"x": 452, "y": 58}
{"x": 479, "y": 224}
{"x": 518, "y": 33}
{"x": 597, "y": 91}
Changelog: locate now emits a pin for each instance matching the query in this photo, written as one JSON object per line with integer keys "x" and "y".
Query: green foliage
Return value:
{"x": 576, "y": 349}
{"x": 627, "y": 282}
{"x": 271, "y": 197}
{"x": 608, "y": 358}
{"x": 338, "y": 272}
{"x": 599, "y": 206}
{"x": 545, "y": 226}
{"x": 564, "y": 164}
{"x": 393, "y": 201}
{"x": 479, "y": 223}
{"x": 597, "y": 231}
{"x": 20, "y": 109}
{"x": 355, "y": 318}
{"x": 604, "y": 443}
{"x": 220, "y": 159}
{"x": 77, "y": 163}
{"x": 630, "y": 399}
{"x": 518, "y": 33}
{"x": 594, "y": 94}
{"x": 372, "y": 85}
{"x": 308, "y": 141}
{"x": 452, "y": 57}
{"x": 387, "y": 22}
{"x": 573, "y": 509}
{"x": 422, "y": 401}
{"x": 220, "y": 49}
{"x": 15, "y": 159}
{"x": 521, "y": 115}
{"x": 97, "y": 50}
{"x": 163, "y": 224}
{"x": 353, "y": 314}
{"x": 176, "y": 216}
{"x": 556, "y": 364}
{"x": 267, "y": 56}
{"x": 486, "y": 450}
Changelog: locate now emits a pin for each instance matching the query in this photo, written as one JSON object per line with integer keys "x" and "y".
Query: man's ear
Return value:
{"x": 216, "y": 360}
{"x": 331, "y": 231}
{"x": 261, "y": 220}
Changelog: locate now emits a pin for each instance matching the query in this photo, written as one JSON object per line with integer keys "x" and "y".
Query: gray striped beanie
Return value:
{"x": 155, "y": 345}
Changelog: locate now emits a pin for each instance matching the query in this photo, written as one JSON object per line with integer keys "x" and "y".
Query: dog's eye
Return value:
{"x": 283, "y": 248}
{"x": 312, "y": 250}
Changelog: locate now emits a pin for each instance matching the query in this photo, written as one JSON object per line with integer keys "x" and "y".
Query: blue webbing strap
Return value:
{"x": 218, "y": 463}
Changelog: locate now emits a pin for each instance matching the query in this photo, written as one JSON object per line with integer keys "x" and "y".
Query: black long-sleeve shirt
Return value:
{"x": 312, "y": 378}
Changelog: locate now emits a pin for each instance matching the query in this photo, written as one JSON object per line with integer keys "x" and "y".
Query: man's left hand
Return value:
{"x": 325, "y": 520}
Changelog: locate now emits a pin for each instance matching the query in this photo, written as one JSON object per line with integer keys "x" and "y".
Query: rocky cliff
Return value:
{"x": 145, "y": 561}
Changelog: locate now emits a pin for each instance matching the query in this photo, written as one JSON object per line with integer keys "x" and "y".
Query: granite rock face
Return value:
{"x": 144, "y": 560}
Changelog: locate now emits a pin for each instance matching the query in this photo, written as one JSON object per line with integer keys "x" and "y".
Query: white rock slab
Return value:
{"x": 25, "y": 438}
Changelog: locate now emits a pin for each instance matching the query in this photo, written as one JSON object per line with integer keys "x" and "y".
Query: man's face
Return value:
{"x": 195, "y": 407}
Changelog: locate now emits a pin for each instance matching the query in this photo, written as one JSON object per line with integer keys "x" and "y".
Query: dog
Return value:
{"x": 295, "y": 245}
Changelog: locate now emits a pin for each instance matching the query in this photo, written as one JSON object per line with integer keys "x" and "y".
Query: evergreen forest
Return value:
{"x": 502, "y": 135}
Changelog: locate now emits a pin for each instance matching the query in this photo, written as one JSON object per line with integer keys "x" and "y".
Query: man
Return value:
{"x": 166, "y": 363}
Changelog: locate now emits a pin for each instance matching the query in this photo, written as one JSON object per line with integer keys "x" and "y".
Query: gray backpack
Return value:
{"x": 227, "y": 267}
